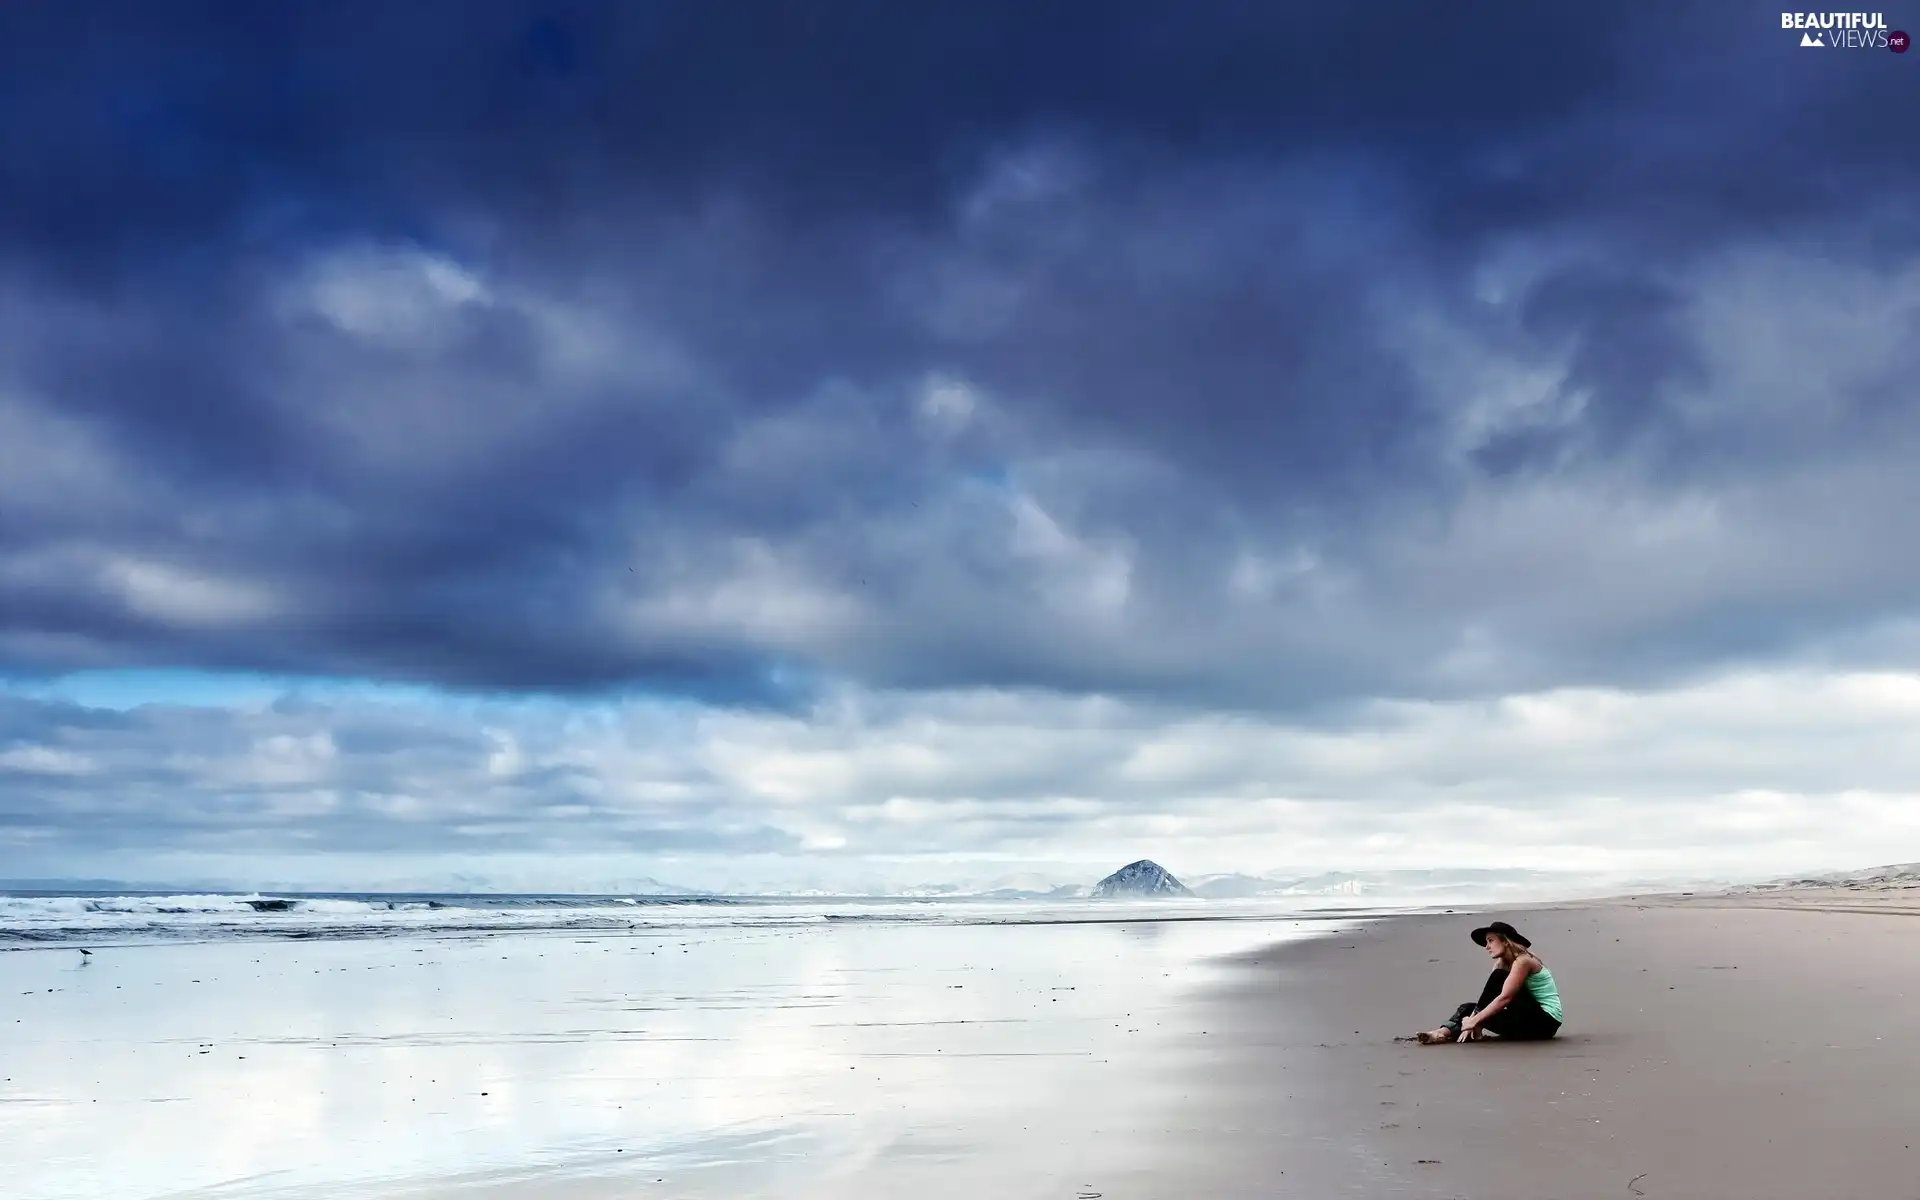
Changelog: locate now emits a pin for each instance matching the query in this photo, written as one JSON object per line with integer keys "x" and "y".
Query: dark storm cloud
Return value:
{"x": 1245, "y": 354}
{"x": 361, "y": 110}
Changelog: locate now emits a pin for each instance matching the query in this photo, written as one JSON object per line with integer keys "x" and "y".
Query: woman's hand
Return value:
{"x": 1470, "y": 1028}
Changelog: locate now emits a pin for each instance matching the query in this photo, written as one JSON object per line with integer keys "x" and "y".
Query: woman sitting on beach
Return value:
{"x": 1520, "y": 1001}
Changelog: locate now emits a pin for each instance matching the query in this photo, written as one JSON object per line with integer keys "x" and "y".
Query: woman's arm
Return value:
{"x": 1516, "y": 979}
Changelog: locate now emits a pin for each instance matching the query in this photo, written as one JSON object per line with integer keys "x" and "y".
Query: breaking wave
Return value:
{"x": 42, "y": 918}
{"x": 30, "y": 920}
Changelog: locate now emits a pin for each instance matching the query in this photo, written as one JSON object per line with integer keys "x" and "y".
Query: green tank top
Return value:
{"x": 1541, "y": 984}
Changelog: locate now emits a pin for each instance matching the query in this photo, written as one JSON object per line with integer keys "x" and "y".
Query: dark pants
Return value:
{"x": 1522, "y": 1020}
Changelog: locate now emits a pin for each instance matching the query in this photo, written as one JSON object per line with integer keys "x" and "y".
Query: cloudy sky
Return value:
{"x": 544, "y": 445}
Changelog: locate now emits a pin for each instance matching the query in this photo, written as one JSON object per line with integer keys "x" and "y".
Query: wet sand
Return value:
{"x": 829, "y": 1059}
{"x": 1739, "y": 1047}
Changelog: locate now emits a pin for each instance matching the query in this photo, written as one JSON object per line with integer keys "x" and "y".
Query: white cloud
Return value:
{"x": 1081, "y": 576}
{"x": 401, "y": 297}
{"x": 947, "y": 406}
{"x": 748, "y": 588}
{"x": 183, "y": 596}
{"x": 1749, "y": 773}
{"x": 43, "y": 760}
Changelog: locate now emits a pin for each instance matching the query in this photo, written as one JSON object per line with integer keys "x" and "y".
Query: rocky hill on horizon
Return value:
{"x": 1138, "y": 879}
{"x": 1891, "y": 877}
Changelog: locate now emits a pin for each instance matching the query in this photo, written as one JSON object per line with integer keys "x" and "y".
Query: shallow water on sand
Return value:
{"x": 681, "y": 1061}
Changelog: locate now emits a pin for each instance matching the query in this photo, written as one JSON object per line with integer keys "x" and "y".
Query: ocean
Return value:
{"x": 266, "y": 1045}
{"x": 51, "y": 918}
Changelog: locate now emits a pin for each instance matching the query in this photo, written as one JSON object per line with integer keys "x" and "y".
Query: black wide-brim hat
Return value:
{"x": 1504, "y": 930}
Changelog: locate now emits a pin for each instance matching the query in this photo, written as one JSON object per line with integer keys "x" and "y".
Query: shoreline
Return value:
{"x": 1738, "y": 1046}
{"x": 825, "y": 1060}
{"x": 1716, "y": 1045}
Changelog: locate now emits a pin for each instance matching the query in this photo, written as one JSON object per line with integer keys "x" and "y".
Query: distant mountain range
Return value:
{"x": 80, "y": 885}
{"x": 1065, "y": 891}
{"x": 1377, "y": 883}
{"x": 464, "y": 886}
{"x": 1887, "y": 878}
{"x": 1404, "y": 884}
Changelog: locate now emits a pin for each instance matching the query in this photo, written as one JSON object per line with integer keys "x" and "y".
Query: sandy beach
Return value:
{"x": 1715, "y": 1046}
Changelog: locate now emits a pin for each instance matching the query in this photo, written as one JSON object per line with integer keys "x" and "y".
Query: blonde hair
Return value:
{"x": 1519, "y": 951}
